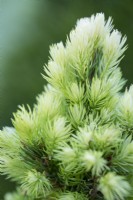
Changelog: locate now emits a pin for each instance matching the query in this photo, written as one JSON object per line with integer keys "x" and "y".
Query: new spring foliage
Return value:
{"x": 77, "y": 142}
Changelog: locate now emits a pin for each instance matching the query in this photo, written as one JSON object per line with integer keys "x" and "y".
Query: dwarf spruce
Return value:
{"x": 77, "y": 142}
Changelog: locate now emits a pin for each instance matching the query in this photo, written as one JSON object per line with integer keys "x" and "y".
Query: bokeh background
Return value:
{"x": 27, "y": 28}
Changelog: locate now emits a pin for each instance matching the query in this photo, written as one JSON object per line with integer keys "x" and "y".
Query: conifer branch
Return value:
{"x": 77, "y": 142}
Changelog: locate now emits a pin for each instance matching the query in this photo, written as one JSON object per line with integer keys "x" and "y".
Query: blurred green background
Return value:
{"x": 27, "y": 28}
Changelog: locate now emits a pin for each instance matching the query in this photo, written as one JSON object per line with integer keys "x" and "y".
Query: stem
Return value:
{"x": 93, "y": 192}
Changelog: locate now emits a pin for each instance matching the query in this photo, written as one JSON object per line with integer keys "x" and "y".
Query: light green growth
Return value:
{"x": 77, "y": 142}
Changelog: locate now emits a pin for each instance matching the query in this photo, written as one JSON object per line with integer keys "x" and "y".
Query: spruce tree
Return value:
{"x": 77, "y": 141}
